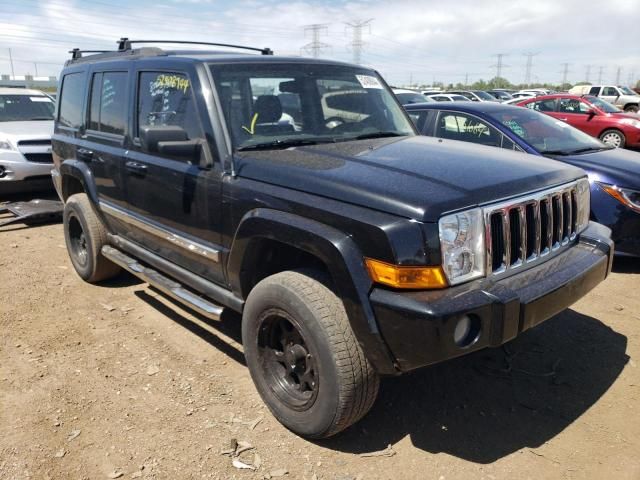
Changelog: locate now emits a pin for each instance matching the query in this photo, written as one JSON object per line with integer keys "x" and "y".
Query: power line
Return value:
{"x": 315, "y": 46}
{"x": 356, "y": 40}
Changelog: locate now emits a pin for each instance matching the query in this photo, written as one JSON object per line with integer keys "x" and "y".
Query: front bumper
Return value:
{"x": 418, "y": 326}
{"x": 18, "y": 174}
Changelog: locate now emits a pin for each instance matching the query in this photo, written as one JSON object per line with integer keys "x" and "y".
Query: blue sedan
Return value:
{"x": 614, "y": 173}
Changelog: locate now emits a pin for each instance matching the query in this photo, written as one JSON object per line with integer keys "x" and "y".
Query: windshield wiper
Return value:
{"x": 292, "y": 142}
{"x": 555, "y": 152}
{"x": 365, "y": 136}
{"x": 592, "y": 149}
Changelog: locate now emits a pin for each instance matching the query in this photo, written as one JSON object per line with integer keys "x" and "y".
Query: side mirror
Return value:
{"x": 171, "y": 141}
{"x": 592, "y": 112}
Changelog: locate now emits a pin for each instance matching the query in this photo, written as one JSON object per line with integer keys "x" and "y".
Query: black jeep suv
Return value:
{"x": 297, "y": 192}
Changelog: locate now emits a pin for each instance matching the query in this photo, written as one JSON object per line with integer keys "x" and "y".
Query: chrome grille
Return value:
{"x": 527, "y": 229}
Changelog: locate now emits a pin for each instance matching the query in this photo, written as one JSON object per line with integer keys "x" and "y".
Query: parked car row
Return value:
{"x": 614, "y": 173}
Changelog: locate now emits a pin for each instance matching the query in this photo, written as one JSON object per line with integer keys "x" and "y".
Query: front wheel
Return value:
{"x": 612, "y": 137}
{"x": 303, "y": 356}
{"x": 631, "y": 108}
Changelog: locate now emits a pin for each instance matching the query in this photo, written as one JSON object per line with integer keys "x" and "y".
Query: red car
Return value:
{"x": 591, "y": 115}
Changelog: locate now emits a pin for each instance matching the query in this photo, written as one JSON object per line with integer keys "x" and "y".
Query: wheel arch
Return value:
{"x": 76, "y": 177}
{"x": 262, "y": 230}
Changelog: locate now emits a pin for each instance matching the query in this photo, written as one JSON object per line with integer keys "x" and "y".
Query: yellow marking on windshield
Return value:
{"x": 251, "y": 130}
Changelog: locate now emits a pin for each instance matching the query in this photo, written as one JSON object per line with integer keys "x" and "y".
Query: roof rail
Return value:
{"x": 76, "y": 53}
{"x": 124, "y": 44}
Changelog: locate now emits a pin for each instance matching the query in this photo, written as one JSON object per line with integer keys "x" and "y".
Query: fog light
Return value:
{"x": 466, "y": 331}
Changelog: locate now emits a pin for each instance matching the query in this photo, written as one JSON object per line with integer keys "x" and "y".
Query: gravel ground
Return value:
{"x": 116, "y": 381}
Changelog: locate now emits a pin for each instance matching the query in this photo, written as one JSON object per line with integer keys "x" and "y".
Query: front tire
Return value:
{"x": 613, "y": 137}
{"x": 303, "y": 356}
{"x": 85, "y": 235}
{"x": 631, "y": 109}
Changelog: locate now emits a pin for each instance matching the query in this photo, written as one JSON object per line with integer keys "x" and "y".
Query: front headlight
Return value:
{"x": 584, "y": 204}
{"x": 5, "y": 145}
{"x": 629, "y": 198}
{"x": 462, "y": 245}
{"x": 631, "y": 121}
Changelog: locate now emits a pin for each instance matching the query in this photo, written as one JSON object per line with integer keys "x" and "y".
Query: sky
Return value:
{"x": 406, "y": 41}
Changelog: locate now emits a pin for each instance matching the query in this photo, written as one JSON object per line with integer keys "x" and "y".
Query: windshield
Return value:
{"x": 602, "y": 105}
{"x": 627, "y": 91}
{"x": 484, "y": 95}
{"x": 546, "y": 134}
{"x": 22, "y": 108}
{"x": 278, "y": 105}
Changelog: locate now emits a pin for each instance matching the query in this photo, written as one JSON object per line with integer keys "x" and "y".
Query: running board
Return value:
{"x": 166, "y": 285}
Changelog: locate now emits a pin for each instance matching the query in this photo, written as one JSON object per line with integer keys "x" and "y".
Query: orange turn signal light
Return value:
{"x": 616, "y": 193}
{"x": 405, "y": 277}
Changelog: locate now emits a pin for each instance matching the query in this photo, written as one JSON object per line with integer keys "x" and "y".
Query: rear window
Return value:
{"x": 71, "y": 100}
{"x": 24, "y": 108}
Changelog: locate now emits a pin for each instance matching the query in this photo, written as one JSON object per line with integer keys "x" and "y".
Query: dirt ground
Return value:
{"x": 116, "y": 381}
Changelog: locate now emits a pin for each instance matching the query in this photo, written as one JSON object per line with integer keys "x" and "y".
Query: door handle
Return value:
{"x": 563, "y": 119}
{"x": 135, "y": 167}
{"x": 85, "y": 154}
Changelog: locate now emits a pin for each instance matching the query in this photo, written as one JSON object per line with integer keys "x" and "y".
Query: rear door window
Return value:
{"x": 108, "y": 105}
{"x": 543, "y": 105}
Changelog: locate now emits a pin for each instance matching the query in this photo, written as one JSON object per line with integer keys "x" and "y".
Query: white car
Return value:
{"x": 448, "y": 97}
{"x": 26, "y": 126}
{"x": 407, "y": 97}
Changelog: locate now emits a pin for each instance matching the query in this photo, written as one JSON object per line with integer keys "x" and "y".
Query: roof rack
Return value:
{"x": 124, "y": 44}
{"x": 76, "y": 53}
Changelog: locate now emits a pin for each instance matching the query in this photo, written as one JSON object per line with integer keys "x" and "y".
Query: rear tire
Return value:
{"x": 613, "y": 137}
{"x": 85, "y": 236}
{"x": 303, "y": 356}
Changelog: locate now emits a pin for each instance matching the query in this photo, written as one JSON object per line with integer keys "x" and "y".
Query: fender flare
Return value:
{"x": 337, "y": 251}
{"x": 80, "y": 171}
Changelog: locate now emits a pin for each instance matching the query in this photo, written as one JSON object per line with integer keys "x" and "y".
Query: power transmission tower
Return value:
{"x": 632, "y": 78}
{"x": 587, "y": 75}
{"x": 600, "y": 72}
{"x": 315, "y": 46}
{"x": 618, "y": 72}
{"x": 13, "y": 73}
{"x": 565, "y": 72}
{"x": 527, "y": 73}
{"x": 499, "y": 64}
{"x": 466, "y": 79}
{"x": 356, "y": 40}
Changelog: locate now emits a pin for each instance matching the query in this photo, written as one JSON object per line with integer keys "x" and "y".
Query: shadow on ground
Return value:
{"x": 626, "y": 265}
{"x": 229, "y": 325}
{"x": 489, "y": 404}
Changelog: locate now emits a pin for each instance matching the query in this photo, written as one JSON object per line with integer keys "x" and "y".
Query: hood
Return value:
{"x": 34, "y": 129}
{"x": 417, "y": 177}
{"x": 616, "y": 166}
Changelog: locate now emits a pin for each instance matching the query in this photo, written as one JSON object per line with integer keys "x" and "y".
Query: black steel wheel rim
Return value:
{"x": 78, "y": 241}
{"x": 287, "y": 360}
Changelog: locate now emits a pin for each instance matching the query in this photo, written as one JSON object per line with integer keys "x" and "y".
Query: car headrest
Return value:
{"x": 268, "y": 108}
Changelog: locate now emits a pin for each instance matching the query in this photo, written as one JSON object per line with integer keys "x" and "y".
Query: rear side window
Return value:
{"x": 107, "y": 111}
{"x": 166, "y": 99}
{"x": 72, "y": 94}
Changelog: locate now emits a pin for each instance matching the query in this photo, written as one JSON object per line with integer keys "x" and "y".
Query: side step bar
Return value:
{"x": 166, "y": 285}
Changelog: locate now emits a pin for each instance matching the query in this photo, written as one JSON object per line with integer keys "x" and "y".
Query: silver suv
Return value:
{"x": 26, "y": 125}
{"x": 622, "y": 97}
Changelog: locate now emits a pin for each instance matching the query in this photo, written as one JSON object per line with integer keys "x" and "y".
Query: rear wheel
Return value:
{"x": 612, "y": 137}
{"x": 85, "y": 235}
{"x": 303, "y": 356}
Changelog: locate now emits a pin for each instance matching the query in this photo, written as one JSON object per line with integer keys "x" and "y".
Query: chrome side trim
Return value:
{"x": 178, "y": 240}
